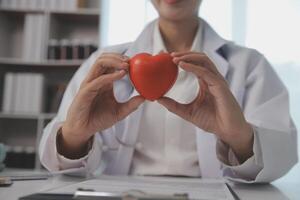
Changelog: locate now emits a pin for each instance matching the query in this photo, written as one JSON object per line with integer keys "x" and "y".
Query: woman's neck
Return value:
{"x": 178, "y": 36}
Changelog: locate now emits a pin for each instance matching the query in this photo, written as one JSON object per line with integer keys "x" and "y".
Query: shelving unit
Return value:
{"x": 25, "y": 129}
{"x": 11, "y": 39}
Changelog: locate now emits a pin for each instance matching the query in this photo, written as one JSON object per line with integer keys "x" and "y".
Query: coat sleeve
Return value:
{"x": 49, "y": 156}
{"x": 266, "y": 107}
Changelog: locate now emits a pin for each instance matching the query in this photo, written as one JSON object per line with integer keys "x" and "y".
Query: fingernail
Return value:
{"x": 125, "y": 66}
{"x": 125, "y": 58}
{"x": 122, "y": 71}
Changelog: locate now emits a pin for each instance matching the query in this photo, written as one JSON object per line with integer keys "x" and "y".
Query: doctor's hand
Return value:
{"x": 215, "y": 109}
{"x": 95, "y": 108}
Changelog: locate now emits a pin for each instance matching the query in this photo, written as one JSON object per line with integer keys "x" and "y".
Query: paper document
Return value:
{"x": 196, "y": 188}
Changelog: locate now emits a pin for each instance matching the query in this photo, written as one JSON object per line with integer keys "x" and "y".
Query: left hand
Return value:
{"x": 215, "y": 109}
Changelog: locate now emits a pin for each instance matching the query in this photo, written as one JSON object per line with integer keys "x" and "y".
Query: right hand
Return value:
{"x": 95, "y": 108}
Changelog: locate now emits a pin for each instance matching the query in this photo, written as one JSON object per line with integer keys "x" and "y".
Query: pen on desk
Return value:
{"x": 37, "y": 176}
{"x": 132, "y": 194}
{"x": 8, "y": 180}
{"x": 29, "y": 178}
{"x": 235, "y": 196}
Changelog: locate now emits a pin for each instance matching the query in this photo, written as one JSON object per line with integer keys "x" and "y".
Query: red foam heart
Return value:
{"x": 153, "y": 76}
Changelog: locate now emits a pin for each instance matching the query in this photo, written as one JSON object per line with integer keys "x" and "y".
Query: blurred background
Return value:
{"x": 43, "y": 42}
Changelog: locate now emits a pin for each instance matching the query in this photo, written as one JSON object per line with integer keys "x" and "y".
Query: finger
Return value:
{"x": 179, "y": 54}
{"x": 103, "y": 80}
{"x": 174, "y": 107}
{"x": 102, "y": 65}
{"x": 126, "y": 108}
{"x": 198, "y": 59}
{"x": 203, "y": 89}
{"x": 115, "y": 55}
{"x": 215, "y": 85}
{"x": 110, "y": 61}
{"x": 202, "y": 73}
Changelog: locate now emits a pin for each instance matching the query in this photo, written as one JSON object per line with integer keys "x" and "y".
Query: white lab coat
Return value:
{"x": 253, "y": 82}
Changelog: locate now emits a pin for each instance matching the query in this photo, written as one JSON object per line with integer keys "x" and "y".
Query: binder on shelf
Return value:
{"x": 69, "y": 5}
{"x": 8, "y": 95}
{"x": 4, "y": 3}
{"x": 53, "y": 4}
{"x": 38, "y": 55}
{"x": 13, "y": 4}
{"x": 93, "y": 4}
{"x": 41, "y": 4}
{"x": 83, "y": 3}
{"x": 73, "y": 4}
{"x": 17, "y": 107}
{"x": 23, "y": 93}
{"x": 38, "y": 96}
{"x": 47, "y": 4}
{"x": 26, "y": 105}
{"x": 23, "y": 4}
{"x": 28, "y": 38}
{"x": 31, "y": 4}
{"x": 34, "y": 33}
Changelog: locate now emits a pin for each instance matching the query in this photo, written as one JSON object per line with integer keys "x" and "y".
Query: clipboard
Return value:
{"x": 91, "y": 195}
{"x": 137, "y": 187}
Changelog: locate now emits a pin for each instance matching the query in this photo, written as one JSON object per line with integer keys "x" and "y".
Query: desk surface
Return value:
{"x": 285, "y": 188}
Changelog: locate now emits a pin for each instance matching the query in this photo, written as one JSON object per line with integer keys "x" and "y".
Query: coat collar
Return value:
{"x": 211, "y": 44}
{"x": 144, "y": 42}
{"x": 158, "y": 43}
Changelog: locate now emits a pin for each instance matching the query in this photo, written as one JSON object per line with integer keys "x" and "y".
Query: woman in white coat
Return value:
{"x": 241, "y": 130}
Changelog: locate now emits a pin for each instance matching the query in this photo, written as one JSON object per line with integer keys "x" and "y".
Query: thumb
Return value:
{"x": 126, "y": 108}
{"x": 173, "y": 106}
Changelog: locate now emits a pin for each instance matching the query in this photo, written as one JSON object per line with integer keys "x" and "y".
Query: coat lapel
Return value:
{"x": 206, "y": 142}
{"x": 212, "y": 44}
{"x": 144, "y": 43}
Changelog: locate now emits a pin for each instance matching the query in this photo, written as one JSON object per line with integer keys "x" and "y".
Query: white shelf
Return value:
{"x": 20, "y": 171}
{"x": 21, "y": 10}
{"x": 49, "y": 116}
{"x": 80, "y": 11}
{"x": 46, "y": 63}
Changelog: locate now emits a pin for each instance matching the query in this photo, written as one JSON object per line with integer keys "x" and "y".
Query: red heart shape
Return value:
{"x": 153, "y": 76}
